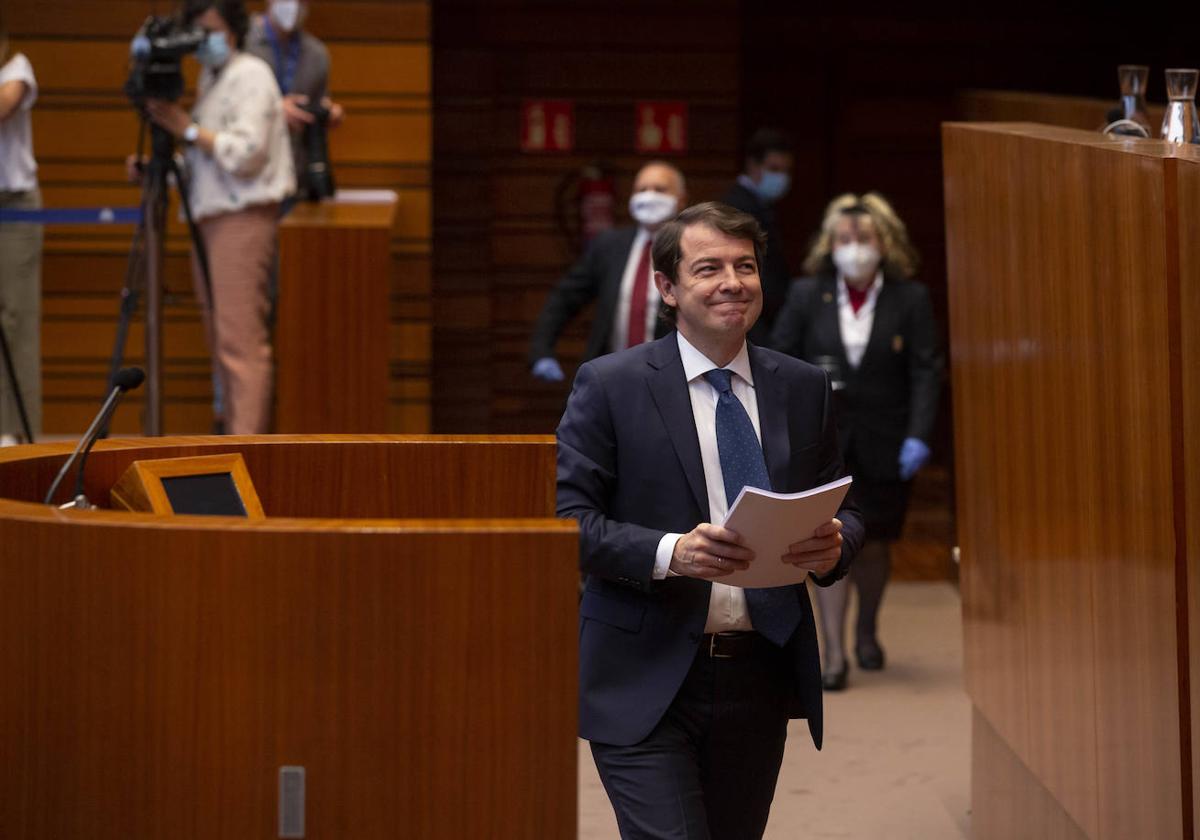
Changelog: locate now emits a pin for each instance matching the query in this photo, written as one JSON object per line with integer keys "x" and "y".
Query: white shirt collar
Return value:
{"x": 872, "y": 293}
{"x": 696, "y": 364}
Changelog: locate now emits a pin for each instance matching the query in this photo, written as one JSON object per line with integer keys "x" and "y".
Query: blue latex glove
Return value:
{"x": 548, "y": 370}
{"x": 913, "y": 455}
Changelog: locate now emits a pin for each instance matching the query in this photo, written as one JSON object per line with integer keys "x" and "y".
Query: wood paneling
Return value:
{"x": 331, "y": 361}
{"x": 1007, "y": 801}
{"x": 1051, "y": 109}
{"x": 499, "y": 249}
{"x": 1185, "y": 390}
{"x": 1064, "y": 260}
{"x": 349, "y": 20}
{"x": 380, "y": 52}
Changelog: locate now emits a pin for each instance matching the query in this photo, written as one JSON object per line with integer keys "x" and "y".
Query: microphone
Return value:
{"x": 126, "y": 380}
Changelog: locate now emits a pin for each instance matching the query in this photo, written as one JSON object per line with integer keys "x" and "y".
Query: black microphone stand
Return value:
{"x": 125, "y": 380}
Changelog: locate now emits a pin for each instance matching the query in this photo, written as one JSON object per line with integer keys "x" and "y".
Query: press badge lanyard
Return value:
{"x": 285, "y": 66}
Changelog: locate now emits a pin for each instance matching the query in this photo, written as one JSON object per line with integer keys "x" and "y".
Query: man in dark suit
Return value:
{"x": 765, "y": 179}
{"x": 614, "y": 272}
{"x": 687, "y": 684}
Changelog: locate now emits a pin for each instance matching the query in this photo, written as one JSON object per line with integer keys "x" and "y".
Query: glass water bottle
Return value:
{"x": 1132, "y": 78}
{"x": 1180, "y": 124}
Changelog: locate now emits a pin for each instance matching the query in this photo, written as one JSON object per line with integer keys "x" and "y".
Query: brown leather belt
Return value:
{"x": 730, "y": 644}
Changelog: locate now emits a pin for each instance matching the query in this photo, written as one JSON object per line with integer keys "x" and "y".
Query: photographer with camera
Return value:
{"x": 301, "y": 65}
{"x": 240, "y": 171}
{"x": 20, "y": 251}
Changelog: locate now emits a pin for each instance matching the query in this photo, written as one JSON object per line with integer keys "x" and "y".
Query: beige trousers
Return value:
{"x": 241, "y": 253}
{"x": 21, "y": 312}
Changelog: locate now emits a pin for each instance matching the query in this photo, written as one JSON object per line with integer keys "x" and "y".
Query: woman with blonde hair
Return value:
{"x": 861, "y": 317}
{"x": 20, "y": 245}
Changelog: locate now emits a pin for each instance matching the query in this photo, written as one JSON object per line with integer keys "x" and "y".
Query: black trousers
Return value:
{"x": 708, "y": 770}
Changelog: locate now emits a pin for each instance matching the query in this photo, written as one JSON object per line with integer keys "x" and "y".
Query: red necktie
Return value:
{"x": 637, "y": 301}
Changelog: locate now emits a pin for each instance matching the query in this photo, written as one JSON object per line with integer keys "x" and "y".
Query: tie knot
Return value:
{"x": 720, "y": 378}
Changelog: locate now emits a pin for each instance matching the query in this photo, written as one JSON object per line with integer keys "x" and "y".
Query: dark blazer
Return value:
{"x": 774, "y": 272}
{"x": 596, "y": 276}
{"x": 894, "y": 393}
{"x": 630, "y": 471}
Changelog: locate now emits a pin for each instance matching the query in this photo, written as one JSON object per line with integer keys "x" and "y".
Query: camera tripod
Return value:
{"x": 16, "y": 386}
{"x": 143, "y": 272}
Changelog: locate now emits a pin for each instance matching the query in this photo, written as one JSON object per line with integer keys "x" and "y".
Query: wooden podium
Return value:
{"x": 331, "y": 333}
{"x": 1074, "y": 270}
{"x": 403, "y": 626}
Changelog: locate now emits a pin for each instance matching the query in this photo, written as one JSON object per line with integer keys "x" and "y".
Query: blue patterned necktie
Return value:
{"x": 774, "y": 612}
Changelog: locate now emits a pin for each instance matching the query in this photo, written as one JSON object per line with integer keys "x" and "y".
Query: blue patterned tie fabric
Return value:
{"x": 774, "y": 612}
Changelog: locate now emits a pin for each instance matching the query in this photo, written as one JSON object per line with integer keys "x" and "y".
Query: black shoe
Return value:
{"x": 870, "y": 655}
{"x": 835, "y": 680}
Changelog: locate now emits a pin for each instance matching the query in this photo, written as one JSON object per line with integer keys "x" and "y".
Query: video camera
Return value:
{"x": 316, "y": 181}
{"x": 156, "y": 53}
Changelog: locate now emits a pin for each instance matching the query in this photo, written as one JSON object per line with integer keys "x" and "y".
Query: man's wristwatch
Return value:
{"x": 191, "y": 134}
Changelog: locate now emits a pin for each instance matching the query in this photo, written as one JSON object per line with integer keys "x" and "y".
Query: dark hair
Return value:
{"x": 668, "y": 251}
{"x": 233, "y": 12}
{"x": 767, "y": 140}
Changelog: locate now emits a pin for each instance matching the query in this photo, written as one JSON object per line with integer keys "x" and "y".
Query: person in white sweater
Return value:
{"x": 240, "y": 168}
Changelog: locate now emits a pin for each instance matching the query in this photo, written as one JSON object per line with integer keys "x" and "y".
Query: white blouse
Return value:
{"x": 18, "y": 169}
{"x": 856, "y": 326}
{"x": 251, "y": 163}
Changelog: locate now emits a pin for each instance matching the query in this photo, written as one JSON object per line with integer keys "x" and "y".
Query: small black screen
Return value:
{"x": 210, "y": 495}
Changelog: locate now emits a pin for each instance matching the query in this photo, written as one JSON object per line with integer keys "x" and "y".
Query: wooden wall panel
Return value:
{"x": 164, "y": 680}
{"x": 1080, "y": 112}
{"x": 1063, "y": 269}
{"x": 499, "y": 249}
{"x": 381, "y": 62}
{"x": 1006, "y": 801}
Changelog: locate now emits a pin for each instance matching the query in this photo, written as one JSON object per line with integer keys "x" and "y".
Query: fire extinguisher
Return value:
{"x": 586, "y": 204}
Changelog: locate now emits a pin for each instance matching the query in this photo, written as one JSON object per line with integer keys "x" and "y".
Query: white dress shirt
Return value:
{"x": 726, "y": 604}
{"x": 251, "y": 163}
{"x": 620, "y": 331}
{"x": 18, "y": 169}
{"x": 856, "y": 326}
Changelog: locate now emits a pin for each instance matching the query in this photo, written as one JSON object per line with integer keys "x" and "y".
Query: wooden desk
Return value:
{"x": 404, "y": 626}
{"x": 1074, "y": 279}
{"x": 331, "y": 334}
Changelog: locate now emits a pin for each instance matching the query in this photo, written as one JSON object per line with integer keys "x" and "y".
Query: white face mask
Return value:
{"x": 286, "y": 13}
{"x": 652, "y": 208}
{"x": 856, "y": 261}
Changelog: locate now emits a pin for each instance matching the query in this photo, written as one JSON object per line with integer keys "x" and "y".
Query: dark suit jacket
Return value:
{"x": 894, "y": 393}
{"x": 630, "y": 471}
{"x": 596, "y": 276}
{"x": 774, "y": 271}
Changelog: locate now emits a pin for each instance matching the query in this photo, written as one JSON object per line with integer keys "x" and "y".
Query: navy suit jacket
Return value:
{"x": 630, "y": 471}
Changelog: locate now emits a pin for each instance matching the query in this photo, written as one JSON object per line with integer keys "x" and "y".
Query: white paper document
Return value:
{"x": 770, "y": 522}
